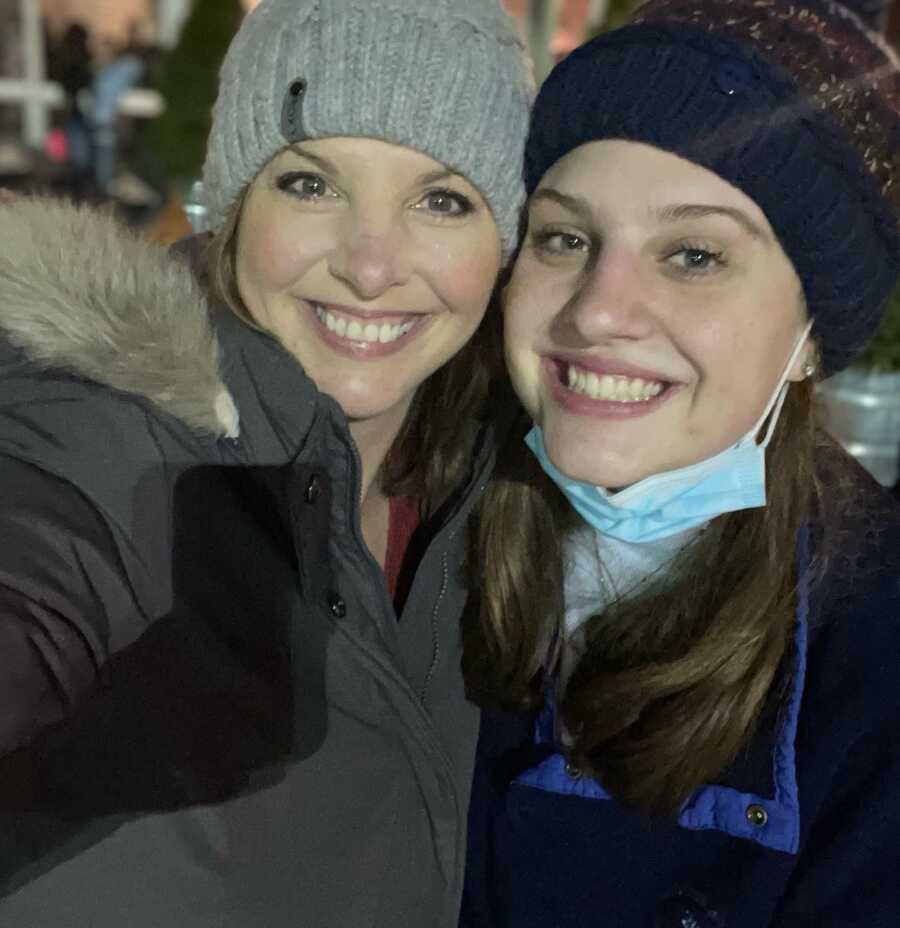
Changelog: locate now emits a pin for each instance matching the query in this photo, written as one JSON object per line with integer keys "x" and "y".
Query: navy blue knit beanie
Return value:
{"x": 795, "y": 104}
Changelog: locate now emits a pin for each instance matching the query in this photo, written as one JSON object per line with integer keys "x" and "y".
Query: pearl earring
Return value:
{"x": 809, "y": 369}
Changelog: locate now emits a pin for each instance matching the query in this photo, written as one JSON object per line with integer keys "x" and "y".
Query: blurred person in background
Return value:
{"x": 111, "y": 24}
{"x": 69, "y": 63}
{"x": 232, "y": 534}
{"x": 98, "y": 51}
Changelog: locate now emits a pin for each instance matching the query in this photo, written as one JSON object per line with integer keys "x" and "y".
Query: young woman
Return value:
{"x": 712, "y": 225}
{"x": 231, "y": 546}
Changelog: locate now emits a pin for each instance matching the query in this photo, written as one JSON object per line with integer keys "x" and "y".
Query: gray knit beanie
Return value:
{"x": 449, "y": 78}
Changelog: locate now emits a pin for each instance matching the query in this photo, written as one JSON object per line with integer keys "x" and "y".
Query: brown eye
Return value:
{"x": 311, "y": 187}
{"x": 445, "y": 203}
{"x": 305, "y": 186}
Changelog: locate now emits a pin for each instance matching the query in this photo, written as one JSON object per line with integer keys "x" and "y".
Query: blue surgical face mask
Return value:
{"x": 676, "y": 500}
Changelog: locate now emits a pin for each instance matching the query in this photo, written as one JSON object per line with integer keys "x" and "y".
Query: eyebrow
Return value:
{"x": 700, "y": 211}
{"x": 574, "y": 205}
{"x": 432, "y": 177}
{"x": 323, "y": 163}
{"x": 674, "y": 213}
{"x": 435, "y": 177}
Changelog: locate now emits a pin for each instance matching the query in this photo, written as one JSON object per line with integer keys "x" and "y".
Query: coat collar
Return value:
{"x": 757, "y": 799}
{"x": 80, "y": 292}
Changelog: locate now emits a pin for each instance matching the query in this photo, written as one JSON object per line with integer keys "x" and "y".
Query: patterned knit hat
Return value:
{"x": 796, "y": 104}
{"x": 449, "y": 78}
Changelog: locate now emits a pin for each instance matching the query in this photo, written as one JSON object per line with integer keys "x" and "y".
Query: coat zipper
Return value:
{"x": 435, "y": 635}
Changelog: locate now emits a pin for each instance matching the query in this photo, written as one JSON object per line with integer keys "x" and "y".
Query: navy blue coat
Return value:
{"x": 803, "y": 829}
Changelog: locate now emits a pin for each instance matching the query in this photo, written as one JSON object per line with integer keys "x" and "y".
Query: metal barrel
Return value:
{"x": 195, "y": 208}
{"x": 862, "y": 411}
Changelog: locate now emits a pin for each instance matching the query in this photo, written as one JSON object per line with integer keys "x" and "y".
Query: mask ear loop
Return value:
{"x": 781, "y": 390}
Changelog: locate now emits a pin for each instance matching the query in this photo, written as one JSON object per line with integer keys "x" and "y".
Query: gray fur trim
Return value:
{"x": 79, "y": 291}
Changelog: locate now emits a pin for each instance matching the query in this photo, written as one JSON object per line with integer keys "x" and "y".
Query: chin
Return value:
{"x": 360, "y": 408}
{"x": 592, "y": 463}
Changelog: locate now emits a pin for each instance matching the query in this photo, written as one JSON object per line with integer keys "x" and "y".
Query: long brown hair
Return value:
{"x": 671, "y": 681}
{"x": 432, "y": 449}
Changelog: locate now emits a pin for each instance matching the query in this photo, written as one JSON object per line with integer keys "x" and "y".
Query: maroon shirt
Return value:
{"x": 402, "y": 522}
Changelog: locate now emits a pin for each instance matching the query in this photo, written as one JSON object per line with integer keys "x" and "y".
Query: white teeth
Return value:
{"x": 612, "y": 387}
{"x": 357, "y": 332}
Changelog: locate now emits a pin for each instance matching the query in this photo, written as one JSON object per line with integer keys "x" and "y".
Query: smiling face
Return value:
{"x": 372, "y": 264}
{"x": 650, "y": 314}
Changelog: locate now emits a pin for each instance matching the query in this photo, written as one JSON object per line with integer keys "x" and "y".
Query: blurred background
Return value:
{"x": 108, "y": 101}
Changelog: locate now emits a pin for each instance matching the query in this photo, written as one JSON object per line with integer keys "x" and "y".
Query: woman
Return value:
{"x": 712, "y": 225}
{"x": 231, "y": 542}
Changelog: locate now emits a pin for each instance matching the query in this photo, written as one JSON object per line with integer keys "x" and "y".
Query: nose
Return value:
{"x": 371, "y": 256}
{"x": 608, "y": 303}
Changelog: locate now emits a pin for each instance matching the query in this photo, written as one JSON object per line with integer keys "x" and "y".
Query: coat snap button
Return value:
{"x": 312, "y": 490}
{"x": 337, "y": 606}
{"x": 734, "y": 76}
{"x": 757, "y": 815}
{"x": 681, "y": 911}
{"x": 573, "y": 771}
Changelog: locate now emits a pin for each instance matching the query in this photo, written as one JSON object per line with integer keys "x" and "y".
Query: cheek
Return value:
{"x": 466, "y": 277}
{"x": 271, "y": 253}
{"x": 527, "y": 308}
{"x": 520, "y": 338}
{"x": 738, "y": 367}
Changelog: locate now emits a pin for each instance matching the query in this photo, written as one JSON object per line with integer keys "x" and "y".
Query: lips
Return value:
{"x": 612, "y": 387}
{"x": 365, "y": 335}
{"x": 359, "y": 330}
{"x": 608, "y": 389}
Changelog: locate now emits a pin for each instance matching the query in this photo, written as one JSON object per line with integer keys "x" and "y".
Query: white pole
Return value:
{"x": 543, "y": 23}
{"x": 35, "y": 109}
{"x": 170, "y": 18}
{"x": 597, "y": 13}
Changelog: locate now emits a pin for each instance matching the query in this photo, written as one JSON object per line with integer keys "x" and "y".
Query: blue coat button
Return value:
{"x": 734, "y": 77}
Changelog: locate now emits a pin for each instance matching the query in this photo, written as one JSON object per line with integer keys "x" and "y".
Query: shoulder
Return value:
{"x": 855, "y": 601}
{"x": 858, "y": 535}
{"x": 81, "y": 295}
{"x": 102, "y": 441}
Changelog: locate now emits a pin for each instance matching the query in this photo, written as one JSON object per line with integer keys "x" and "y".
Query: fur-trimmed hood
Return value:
{"x": 81, "y": 292}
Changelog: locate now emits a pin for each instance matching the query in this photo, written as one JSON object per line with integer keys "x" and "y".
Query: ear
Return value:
{"x": 807, "y": 363}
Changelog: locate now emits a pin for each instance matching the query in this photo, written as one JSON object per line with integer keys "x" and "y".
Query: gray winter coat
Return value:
{"x": 252, "y": 739}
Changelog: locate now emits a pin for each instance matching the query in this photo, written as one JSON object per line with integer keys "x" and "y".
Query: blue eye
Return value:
{"x": 445, "y": 203}
{"x": 692, "y": 261}
{"x": 557, "y": 242}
